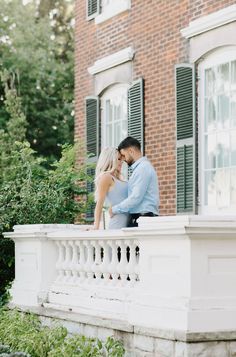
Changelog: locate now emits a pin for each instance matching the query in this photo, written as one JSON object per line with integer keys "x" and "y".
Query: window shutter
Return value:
{"x": 92, "y": 146}
{"x": 92, "y": 126}
{"x": 93, "y": 7}
{"x": 136, "y": 111}
{"x": 185, "y": 133}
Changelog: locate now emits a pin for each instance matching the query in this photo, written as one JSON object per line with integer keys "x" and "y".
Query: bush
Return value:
{"x": 30, "y": 193}
{"x": 24, "y": 332}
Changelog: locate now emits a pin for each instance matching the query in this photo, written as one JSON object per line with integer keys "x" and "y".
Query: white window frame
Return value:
{"x": 109, "y": 93}
{"x": 220, "y": 56}
{"x": 114, "y": 8}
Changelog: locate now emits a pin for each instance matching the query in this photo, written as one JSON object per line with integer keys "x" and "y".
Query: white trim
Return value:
{"x": 209, "y": 22}
{"x": 113, "y": 9}
{"x": 125, "y": 55}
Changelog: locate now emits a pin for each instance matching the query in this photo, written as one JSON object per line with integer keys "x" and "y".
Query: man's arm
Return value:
{"x": 140, "y": 181}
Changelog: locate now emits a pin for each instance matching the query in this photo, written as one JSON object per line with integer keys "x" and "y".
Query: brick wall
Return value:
{"x": 152, "y": 28}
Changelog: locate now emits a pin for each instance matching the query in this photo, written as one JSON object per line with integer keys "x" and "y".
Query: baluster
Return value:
{"x": 114, "y": 262}
{"x": 132, "y": 261}
{"x": 67, "y": 261}
{"x": 89, "y": 260}
{"x": 137, "y": 256}
{"x": 106, "y": 260}
{"x": 74, "y": 262}
{"x": 63, "y": 244}
{"x": 96, "y": 267}
{"x": 80, "y": 266}
{"x": 121, "y": 267}
{"x": 59, "y": 263}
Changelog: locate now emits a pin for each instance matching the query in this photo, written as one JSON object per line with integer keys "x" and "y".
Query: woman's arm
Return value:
{"x": 104, "y": 184}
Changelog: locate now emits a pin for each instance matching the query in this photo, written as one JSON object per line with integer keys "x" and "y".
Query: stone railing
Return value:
{"x": 171, "y": 273}
{"x": 103, "y": 261}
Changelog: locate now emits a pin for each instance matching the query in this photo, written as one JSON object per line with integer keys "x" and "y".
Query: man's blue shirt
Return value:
{"x": 143, "y": 191}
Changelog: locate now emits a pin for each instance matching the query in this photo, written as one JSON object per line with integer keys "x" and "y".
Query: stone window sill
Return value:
{"x": 113, "y": 10}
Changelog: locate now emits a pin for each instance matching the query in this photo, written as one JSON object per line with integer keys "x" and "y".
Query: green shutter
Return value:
{"x": 185, "y": 134}
{"x": 93, "y": 7}
{"x": 92, "y": 126}
{"x": 92, "y": 145}
{"x": 136, "y": 111}
{"x": 185, "y": 178}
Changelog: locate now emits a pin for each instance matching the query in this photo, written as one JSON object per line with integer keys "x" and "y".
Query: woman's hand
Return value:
{"x": 90, "y": 228}
{"x": 111, "y": 214}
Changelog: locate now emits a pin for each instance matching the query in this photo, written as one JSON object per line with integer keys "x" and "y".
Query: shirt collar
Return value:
{"x": 136, "y": 163}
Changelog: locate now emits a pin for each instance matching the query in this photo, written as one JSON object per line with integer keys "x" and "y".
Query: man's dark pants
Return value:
{"x": 134, "y": 217}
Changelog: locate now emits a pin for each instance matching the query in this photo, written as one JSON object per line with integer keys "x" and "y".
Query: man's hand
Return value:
{"x": 111, "y": 214}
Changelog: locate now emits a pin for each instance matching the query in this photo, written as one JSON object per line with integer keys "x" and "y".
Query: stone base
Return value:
{"x": 141, "y": 341}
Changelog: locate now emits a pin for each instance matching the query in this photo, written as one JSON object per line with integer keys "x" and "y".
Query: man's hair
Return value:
{"x": 129, "y": 142}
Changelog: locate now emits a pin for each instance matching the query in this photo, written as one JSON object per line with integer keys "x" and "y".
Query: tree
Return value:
{"x": 30, "y": 193}
{"x": 38, "y": 51}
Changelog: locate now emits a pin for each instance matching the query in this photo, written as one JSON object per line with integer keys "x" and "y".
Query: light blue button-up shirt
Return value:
{"x": 143, "y": 191}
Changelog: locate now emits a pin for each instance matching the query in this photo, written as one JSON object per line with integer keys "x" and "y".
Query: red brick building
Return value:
{"x": 165, "y": 72}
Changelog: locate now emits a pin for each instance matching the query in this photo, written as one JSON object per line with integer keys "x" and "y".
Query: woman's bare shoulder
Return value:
{"x": 105, "y": 178}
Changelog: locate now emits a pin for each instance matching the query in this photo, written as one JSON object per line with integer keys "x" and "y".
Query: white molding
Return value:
{"x": 125, "y": 55}
{"x": 115, "y": 8}
{"x": 209, "y": 22}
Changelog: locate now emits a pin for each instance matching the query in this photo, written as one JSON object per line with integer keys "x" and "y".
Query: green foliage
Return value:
{"x": 36, "y": 46}
{"x": 32, "y": 194}
{"x": 24, "y": 332}
{"x": 29, "y": 193}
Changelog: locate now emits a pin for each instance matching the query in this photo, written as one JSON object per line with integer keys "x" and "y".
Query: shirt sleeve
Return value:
{"x": 140, "y": 180}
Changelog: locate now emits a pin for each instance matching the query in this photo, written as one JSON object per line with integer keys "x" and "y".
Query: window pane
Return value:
{"x": 233, "y": 187}
{"x": 223, "y": 111}
{"x": 233, "y": 75}
{"x": 210, "y": 151}
{"x": 117, "y": 112}
{"x": 109, "y": 135}
{"x": 223, "y": 150}
{"x": 210, "y": 188}
{"x": 108, "y": 111}
{"x": 114, "y": 114}
{"x": 223, "y": 78}
{"x": 233, "y": 147}
{"x": 210, "y": 114}
{"x": 124, "y": 129}
{"x": 210, "y": 82}
{"x": 117, "y": 133}
{"x": 223, "y": 188}
{"x": 233, "y": 109}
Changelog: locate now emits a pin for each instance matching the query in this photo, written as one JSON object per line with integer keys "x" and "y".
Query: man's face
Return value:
{"x": 127, "y": 155}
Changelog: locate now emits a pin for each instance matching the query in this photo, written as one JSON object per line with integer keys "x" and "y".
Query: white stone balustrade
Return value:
{"x": 182, "y": 279}
{"x": 102, "y": 261}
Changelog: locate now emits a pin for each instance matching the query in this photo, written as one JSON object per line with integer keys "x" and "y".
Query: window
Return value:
{"x": 103, "y": 10}
{"x": 217, "y": 132}
{"x": 122, "y": 114}
{"x": 114, "y": 124}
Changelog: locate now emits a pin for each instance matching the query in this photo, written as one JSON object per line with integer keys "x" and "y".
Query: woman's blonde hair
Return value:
{"x": 107, "y": 162}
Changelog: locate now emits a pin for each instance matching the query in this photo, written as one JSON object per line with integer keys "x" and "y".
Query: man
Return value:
{"x": 143, "y": 191}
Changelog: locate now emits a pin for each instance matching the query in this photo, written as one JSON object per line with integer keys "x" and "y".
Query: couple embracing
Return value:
{"x": 127, "y": 200}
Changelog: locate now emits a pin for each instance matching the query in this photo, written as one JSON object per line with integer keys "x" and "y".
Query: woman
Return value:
{"x": 110, "y": 188}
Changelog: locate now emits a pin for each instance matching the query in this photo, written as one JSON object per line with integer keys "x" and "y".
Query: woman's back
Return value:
{"x": 117, "y": 193}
